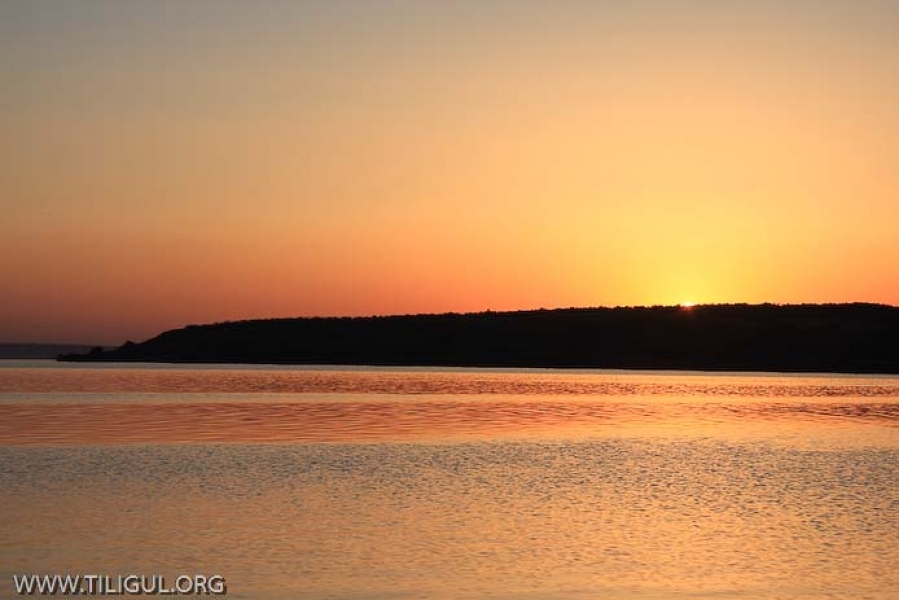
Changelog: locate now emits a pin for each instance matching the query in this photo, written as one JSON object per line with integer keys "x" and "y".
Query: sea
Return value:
{"x": 363, "y": 483}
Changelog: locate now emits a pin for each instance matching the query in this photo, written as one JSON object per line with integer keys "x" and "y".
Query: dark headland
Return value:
{"x": 849, "y": 338}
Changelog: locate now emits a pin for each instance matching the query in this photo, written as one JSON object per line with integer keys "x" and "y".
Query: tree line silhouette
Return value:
{"x": 859, "y": 338}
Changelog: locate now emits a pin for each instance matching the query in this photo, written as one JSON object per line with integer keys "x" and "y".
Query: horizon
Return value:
{"x": 688, "y": 306}
{"x": 169, "y": 164}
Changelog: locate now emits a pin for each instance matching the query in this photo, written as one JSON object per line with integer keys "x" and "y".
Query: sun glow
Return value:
{"x": 732, "y": 152}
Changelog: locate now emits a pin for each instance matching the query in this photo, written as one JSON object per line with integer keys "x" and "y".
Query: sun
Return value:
{"x": 687, "y": 304}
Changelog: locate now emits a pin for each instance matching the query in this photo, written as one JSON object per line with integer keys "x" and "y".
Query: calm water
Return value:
{"x": 389, "y": 483}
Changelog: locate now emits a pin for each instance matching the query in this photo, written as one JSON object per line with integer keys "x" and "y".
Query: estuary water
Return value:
{"x": 388, "y": 483}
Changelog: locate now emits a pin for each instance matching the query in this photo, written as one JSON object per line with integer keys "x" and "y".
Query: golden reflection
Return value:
{"x": 354, "y": 419}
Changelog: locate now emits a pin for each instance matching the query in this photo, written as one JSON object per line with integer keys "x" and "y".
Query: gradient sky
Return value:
{"x": 165, "y": 163}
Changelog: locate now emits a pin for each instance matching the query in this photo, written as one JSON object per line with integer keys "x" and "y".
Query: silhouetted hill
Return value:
{"x": 860, "y": 338}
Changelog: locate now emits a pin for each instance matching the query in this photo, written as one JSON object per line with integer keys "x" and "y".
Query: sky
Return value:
{"x": 165, "y": 163}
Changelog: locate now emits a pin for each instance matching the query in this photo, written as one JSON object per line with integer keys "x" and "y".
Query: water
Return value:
{"x": 453, "y": 483}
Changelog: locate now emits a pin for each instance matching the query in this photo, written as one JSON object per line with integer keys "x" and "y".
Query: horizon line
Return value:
{"x": 682, "y": 306}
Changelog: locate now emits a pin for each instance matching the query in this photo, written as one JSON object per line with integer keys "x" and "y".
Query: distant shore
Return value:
{"x": 40, "y": 351}
{"x": 827, "y": 338}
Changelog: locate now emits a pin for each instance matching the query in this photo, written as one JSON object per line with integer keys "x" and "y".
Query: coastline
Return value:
{"x": 832, "y": 339}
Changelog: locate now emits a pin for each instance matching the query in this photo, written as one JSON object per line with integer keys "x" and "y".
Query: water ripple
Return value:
{"x": 367, "y": 420}
{"x": 417, "y": 382}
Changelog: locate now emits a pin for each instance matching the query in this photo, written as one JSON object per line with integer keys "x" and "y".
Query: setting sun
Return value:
{"x": 456, "y": 158}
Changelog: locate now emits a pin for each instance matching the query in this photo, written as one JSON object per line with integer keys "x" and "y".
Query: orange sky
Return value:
{"x": 170, "y": 163}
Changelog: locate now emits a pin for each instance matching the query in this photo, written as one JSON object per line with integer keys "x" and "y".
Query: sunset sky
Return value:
{"x": 166, "y": 163}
